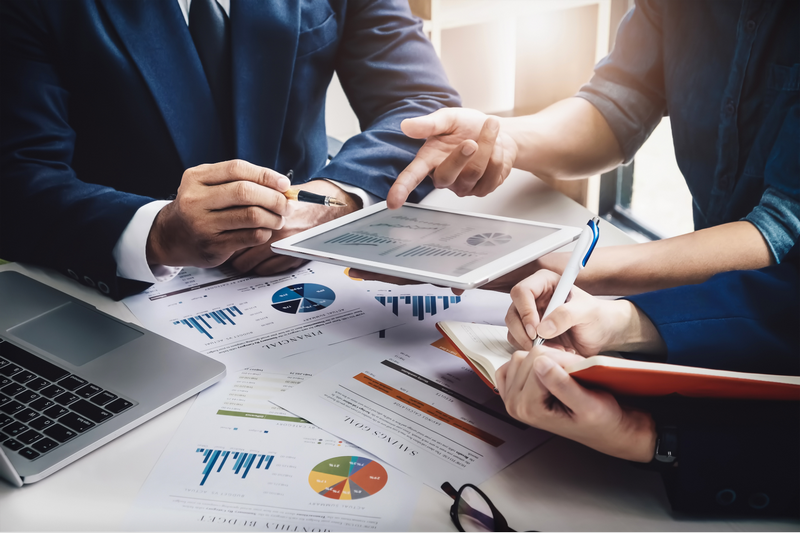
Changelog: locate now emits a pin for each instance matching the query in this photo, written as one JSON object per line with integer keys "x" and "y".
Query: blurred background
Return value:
{"x": 516, "y": 57}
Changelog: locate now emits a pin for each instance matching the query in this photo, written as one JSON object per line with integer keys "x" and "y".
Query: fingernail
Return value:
{"x": 530, "y": 330}
{"x": 283, "y": 183}
{"x": 494, "y": 125}
{"x": 468, "y": 150}
{"x": 546, "y": 329}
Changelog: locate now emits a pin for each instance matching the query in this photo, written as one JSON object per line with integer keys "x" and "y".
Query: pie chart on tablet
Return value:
{"x": 348, "y": 478}
{"x": 303, "y": 298}
{"x": 489, "y": 239}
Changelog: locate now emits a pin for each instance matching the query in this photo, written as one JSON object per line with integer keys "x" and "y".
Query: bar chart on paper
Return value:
{"x": 205, "y": 322}
{"x": 240, "y": 464}
{"x": 421, "y": 306}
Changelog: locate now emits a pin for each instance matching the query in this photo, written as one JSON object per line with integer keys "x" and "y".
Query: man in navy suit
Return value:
{"x": 111, "y": 108}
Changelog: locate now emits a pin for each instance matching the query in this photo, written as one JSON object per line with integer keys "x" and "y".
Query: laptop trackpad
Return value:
{"x": 75, "y": 333}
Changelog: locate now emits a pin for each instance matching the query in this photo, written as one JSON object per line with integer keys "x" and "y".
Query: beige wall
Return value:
{"x": 510, "y": 66}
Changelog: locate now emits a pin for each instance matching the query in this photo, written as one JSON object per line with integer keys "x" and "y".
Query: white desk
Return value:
{"x": 559, "y": 486}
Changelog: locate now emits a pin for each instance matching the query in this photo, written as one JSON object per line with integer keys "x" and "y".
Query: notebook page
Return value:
{"x": 489, "y": 342}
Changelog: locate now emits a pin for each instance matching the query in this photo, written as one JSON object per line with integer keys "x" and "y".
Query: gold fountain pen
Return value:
{"x": 310, "y": 197}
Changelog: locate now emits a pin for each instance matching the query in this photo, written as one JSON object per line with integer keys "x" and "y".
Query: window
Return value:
{"x": 649, "y": 196}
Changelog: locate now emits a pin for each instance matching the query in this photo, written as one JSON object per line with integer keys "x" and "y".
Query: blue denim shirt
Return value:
{"x": 728, "y": 75}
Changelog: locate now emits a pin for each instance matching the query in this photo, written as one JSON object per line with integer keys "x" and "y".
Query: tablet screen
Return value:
{"x": 445, "y": 243}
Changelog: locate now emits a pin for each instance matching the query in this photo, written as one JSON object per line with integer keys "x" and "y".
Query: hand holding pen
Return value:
{"x": 300, "y": 195}
{"x": 577, "y": 261}
{"x": 525, "y": 319}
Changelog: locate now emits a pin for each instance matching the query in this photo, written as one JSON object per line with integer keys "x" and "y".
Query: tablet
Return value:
{"x": 428, "y": 244}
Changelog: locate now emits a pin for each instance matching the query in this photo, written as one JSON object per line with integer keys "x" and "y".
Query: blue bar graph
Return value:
{"x": 220, "y": 317}
{"x": 421, "y": 306}
{"x": 241, "y": 461}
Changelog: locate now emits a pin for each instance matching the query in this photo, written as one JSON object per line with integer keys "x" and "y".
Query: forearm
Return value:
{"x": 569, "y": 139}
{"x": 683, "y": 260}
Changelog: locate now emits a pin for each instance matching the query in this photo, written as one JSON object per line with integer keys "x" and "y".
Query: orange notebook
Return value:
{"x": 486, "y": 349}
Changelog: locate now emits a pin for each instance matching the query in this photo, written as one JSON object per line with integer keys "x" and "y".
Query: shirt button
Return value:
{"x": 750, "y": 26}
{"x": 724, "y": 181}
{"x": 759, "y": 500}
{"x": 730, "y": 109}
{"x": 726, "y": 497}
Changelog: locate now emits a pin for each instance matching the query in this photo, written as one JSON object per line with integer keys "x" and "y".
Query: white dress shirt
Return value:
{"x": 130, "y": 252}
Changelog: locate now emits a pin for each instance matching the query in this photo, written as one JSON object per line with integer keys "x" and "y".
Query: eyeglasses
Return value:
{"x": 472, "y": 510}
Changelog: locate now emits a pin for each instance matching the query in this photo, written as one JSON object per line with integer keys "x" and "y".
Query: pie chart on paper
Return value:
{"x": 348, "y": 478}
{"x": 303, "y": 298}
{"x": 489, "y": 239}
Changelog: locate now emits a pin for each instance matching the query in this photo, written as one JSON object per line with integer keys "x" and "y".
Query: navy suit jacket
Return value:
{"x": 104, "y": 104}
{"x": 734, "y": 457}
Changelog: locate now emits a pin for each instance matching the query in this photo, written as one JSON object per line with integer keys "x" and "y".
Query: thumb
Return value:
{"x": 437, "y": 123}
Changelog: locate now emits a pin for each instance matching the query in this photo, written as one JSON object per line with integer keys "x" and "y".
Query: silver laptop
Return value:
{"x": 72, "y": 378}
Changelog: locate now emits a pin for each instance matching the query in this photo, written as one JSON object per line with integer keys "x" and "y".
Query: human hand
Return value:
{"x": 537, "y": 390}
{"x": 219, "y": 209}
{"x": 584, "y": 324}
{"x": 263, "y": 261}
{"x": 465, "y": 151}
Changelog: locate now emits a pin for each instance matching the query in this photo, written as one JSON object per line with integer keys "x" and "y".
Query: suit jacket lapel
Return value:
{"x": 157, "y": 38}
{"x": 263, "y": 46}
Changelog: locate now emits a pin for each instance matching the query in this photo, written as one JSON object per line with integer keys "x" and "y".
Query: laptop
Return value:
{"x": 73, "y": 378}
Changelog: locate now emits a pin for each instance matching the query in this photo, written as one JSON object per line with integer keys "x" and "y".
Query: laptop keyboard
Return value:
{"x": 42, "y": 406}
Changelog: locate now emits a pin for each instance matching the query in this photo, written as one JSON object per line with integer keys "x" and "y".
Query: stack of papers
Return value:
{"x": 341, "y": 399}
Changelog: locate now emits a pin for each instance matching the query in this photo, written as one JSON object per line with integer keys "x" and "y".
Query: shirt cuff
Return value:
{"x": 777, "y": 217}
{"x": 130, "y": 252}
{"x": 367, "y": 199}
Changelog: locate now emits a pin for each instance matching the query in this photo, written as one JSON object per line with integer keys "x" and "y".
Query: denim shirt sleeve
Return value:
{"x": 777, "y": 216}
{"x": 628, "y": 84}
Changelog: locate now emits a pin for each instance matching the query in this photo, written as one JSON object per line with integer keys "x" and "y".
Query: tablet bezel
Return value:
{"x": 471, "y": 280}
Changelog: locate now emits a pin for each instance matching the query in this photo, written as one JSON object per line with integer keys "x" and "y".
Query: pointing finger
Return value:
{"x": 448, "y": 170}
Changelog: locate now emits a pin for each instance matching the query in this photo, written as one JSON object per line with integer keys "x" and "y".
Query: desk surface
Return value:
{"x": 559, "y": 486}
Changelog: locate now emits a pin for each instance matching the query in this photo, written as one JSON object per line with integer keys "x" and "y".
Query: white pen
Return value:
{"x": 580, "y": 255}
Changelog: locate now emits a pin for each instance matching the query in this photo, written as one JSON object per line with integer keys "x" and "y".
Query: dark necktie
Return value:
{"x": 210, "y": 30}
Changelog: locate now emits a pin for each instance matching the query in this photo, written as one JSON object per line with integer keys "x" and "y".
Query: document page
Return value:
{"x": 240, "y": 319}
{"x": 238, "y": 462}
{"x": 422, "y": 306}
{"x": 416, "y": 405}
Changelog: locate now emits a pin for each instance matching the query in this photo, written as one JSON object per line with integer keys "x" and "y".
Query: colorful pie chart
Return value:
{"x": 348, "y": 478}
{"x": 303, "y": 298}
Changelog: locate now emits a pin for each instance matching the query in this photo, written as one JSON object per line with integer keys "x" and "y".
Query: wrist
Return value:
{"x": 154, "y": 247}
{"x": 639, "y": 334}
{"x": 640, "y": 445}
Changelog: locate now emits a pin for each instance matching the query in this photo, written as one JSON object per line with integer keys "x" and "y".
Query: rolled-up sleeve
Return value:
{"x": 628, "y": 84}
{"x": 777, "y": 216}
